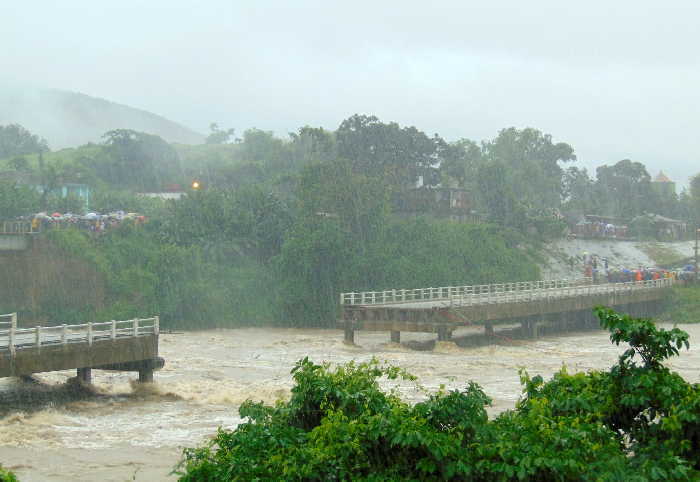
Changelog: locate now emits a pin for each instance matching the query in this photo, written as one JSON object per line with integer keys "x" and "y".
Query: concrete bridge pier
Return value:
{"x": 395, "y": 336}
{"x": 590, "y": 320}
{"x": 85, "y": 375}
{"x": 349, "y": 333}
{"x": 444, "y": 333}
{"x": 528, "y": 326}
{"x": 146, "y": 375}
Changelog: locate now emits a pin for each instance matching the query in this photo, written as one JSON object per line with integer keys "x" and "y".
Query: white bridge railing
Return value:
{"x": 452, "y": 292}
{"x": 17, "y": 227}
{"x": 498, "y": 293}
{"x": 13, "y": 338}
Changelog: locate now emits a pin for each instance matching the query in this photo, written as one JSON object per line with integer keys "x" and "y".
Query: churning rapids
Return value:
{"x": 123, "y": 431}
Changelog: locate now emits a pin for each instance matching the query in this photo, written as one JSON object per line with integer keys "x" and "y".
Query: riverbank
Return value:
{"x": 683, "y": 306}
{"x": 564, "y": 257}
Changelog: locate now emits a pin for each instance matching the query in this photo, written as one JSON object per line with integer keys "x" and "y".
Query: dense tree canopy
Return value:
{"x": 137, "y": 160}
{"x": 400, "y": 155}
{"x": 315, "y": 214}
{"x": 15, "y": 141}
{"x": 625, "y": 189}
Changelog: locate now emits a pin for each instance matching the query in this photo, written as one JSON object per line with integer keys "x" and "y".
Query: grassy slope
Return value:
{"x": 684, "y": 305}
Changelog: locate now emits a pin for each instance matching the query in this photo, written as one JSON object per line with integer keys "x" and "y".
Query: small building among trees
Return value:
{"x": 441, "y": 202}
{"x": 661, "y": 228}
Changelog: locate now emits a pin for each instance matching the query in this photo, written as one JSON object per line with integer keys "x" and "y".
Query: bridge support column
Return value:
{"x": 146, "y": 375}
{"x": 395, "y": 336}
{"x": 444, "y": 334}
{"x": 529, "y": 327}
{"x": 349, "y": 334}
{"x": 85, "y": 375}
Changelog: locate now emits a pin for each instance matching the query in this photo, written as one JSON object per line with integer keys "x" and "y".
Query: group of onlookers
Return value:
{"x": 93, "y": 222}
{"x": 599, "y": 270}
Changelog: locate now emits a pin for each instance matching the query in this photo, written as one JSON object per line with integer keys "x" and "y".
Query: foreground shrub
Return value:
{"x": 637, "y": 421}
{"x": 6, "y": 475}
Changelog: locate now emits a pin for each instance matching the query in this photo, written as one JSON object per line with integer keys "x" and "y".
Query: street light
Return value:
{"x": 196, "y": 185}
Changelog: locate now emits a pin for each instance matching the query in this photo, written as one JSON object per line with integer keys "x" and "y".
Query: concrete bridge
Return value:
{"x": 130, "y": 345}
{"x": 531, "y": 304}
{"x": 16, "y": 235}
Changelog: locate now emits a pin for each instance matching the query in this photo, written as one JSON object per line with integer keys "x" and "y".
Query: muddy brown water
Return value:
{"x": 132, "y": 432}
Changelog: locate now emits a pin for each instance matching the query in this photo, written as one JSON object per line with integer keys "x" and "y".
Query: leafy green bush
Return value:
{"x": 6, "y": 475}
{"x": 637, "y": 421}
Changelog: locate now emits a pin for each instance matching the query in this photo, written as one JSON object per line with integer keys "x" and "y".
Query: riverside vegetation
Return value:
{"x": 6, "y": 475}
{"x": 281, "y": 226}
{"x": 636, "y": 421}
{"x": 683, "y": 305}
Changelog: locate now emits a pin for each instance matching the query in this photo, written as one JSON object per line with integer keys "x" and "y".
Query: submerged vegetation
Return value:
{"x": 636, "y": 421}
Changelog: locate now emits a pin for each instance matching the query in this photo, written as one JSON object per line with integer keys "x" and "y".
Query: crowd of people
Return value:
{"x": 600, "y": 271}
{"x": 94, "y": 222}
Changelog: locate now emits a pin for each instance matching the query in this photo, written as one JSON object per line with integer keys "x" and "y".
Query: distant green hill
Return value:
{"x": 68, "y": 119}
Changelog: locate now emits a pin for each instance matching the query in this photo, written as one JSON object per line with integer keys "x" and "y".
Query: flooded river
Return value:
{"x": 131, "y": 432}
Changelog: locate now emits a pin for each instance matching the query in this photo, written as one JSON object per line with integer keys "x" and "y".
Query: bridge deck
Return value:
{"x": 443, "y": 309}
{"x": 523, "y": 296}
{"x": 127, "y": 345}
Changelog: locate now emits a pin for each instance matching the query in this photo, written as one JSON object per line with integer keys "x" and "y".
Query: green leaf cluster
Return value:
{"x": 6, "y": 475}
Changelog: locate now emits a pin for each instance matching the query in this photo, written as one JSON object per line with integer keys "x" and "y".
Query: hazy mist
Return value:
{"x": 615, "y": 80}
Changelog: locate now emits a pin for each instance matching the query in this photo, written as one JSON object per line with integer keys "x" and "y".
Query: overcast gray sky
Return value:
{"x": 615, "y": 79}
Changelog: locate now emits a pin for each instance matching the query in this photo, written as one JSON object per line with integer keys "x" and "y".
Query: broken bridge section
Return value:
{"x": 442, "y": 310}
{"x": 130, "y": 345}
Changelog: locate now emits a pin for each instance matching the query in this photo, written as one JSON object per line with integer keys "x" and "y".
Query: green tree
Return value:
{"x": 460, "y": 162}
{"x": 19, "y": 163}
{"x": 313, "y": 144}
{"x": 17, "y": 200}
{"x": 625, "y": 189}
{"x": 6, "y": 475}
{"x": 137, "y": 160}
{"x": 693, "y": 199}
{"x": 497, "y": 195}
{"x": 15, "y": 140}
{"x": 217, "y": 135}
{"x": 532, "y": 164}
{"x": 579, "y": 193}
{"x": 399, "y": 155}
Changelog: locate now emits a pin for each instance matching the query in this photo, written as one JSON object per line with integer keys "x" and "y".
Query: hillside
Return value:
{"x": 68, "y": 119}
{"x": 564, "y": 257}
